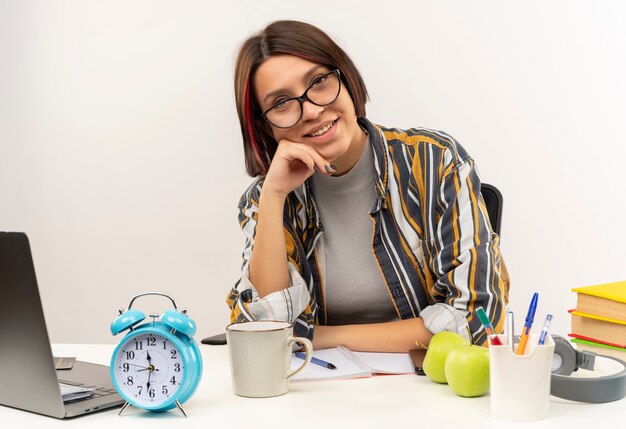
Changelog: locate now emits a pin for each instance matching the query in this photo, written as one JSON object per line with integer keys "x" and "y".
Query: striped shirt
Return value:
{"x": 432, "y": 239}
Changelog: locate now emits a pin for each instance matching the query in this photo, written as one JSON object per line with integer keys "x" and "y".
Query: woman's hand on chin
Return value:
{"x": 292, "y": 164}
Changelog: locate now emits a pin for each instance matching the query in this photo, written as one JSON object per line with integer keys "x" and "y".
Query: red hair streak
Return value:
{"x": 253, "y": 141}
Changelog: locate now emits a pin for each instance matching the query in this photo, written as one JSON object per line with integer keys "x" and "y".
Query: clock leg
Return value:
{"x": 126, "y": 405}
{"x": 180, "y": 407}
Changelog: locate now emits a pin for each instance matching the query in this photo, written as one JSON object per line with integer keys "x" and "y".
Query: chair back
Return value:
{"x": 493, "y": 200}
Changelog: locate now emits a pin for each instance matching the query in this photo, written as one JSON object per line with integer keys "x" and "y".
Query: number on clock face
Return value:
{"x": 149, "y": 369}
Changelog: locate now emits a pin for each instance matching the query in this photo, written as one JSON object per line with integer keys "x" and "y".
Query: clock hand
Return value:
{"x": 149, "y": 375}
{"x": 148, "y": 369}
{"x": 140, "y": 366}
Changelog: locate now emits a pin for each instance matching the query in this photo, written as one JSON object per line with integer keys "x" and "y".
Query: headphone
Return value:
{"x": 603, "y": 388}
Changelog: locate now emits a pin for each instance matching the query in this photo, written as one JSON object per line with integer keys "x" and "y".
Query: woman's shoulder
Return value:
{"x": 252, "y": 193}
{"x": 425, "y": 141}
{"x": 416, "y": 135}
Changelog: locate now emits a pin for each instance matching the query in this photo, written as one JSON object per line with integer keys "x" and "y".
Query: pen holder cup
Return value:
{"x": 520, "y": 384}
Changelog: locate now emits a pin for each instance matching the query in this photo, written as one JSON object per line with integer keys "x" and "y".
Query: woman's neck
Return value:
{"x": 352, "y": 155}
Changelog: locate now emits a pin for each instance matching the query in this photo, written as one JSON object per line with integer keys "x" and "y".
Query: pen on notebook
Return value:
{"x": 528, "y": 324}
{"x": 544, "y": 330}
{"x": 510, "y": 323}
{"x": 316, "y": 361}
{"x": 493, "y": 338}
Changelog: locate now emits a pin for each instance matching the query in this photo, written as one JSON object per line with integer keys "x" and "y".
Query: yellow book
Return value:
{"x": 614, "y": 291}
{"x": 603, "y": 301}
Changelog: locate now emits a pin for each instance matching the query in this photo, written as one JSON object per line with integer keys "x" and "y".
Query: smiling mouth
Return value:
{"x": 323, "y": 130}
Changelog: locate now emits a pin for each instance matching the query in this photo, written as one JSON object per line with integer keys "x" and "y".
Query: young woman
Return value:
{"x": 365, "y": 236}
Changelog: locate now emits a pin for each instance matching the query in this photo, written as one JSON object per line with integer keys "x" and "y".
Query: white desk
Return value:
{"x": 382, "y": 401}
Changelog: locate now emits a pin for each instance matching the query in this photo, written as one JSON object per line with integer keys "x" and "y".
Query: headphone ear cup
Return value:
{"x": 564, "y": 359}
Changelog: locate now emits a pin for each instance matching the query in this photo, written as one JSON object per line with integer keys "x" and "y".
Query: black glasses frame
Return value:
{"x": 304, "y": 97}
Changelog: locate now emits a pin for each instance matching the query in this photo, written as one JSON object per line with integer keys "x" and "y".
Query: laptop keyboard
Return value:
{"x": 98, "y": 391}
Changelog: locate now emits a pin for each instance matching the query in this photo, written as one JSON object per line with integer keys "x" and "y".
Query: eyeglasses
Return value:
{"x": 287, "y": 112}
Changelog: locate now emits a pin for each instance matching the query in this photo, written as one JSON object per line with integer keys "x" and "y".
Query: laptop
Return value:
{"x": 29, "y": 379}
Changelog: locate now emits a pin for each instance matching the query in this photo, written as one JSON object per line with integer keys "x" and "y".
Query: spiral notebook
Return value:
{"x": 352, "y": 365}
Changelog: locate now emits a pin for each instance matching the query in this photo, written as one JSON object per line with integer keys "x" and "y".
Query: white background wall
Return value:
{"x": 120, "y": 153}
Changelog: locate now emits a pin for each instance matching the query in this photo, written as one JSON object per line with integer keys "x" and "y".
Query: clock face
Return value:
{"x": 148, "y": 369}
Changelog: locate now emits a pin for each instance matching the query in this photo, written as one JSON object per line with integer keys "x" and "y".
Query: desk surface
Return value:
{"x": 392, "y": 401}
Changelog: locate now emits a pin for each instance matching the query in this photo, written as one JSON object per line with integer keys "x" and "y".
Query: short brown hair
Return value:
{"x": 284, "y": 37}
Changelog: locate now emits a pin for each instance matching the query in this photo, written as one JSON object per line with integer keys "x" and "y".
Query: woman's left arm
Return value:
{"x": 396, "y": 336}
{"x": 463, "y": 256}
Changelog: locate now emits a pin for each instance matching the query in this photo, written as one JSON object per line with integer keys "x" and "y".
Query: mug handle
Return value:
{"x": 308, "y": 351}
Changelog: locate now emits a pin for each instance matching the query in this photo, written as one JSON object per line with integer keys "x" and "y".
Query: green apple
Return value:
{"x": 467, "y": 370}
{"x": 438, "y": 348}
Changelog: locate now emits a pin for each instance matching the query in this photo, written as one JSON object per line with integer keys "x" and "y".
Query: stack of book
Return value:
{"x": 599, "y": 320}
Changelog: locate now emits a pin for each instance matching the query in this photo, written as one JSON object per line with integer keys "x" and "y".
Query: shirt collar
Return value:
{"x": 377, "y": 139}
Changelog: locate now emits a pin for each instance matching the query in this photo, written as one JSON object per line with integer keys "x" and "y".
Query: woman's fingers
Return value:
{"x": 299, "y": 154}
{"x": 307, "y": 155}
{"x": 322, "y": 165}
{"x": 292, "y": 164}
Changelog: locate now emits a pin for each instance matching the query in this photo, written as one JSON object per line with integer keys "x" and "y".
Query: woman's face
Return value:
{"x": 331, "y": 130}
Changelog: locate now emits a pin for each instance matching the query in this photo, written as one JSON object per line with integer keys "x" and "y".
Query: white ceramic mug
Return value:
{"x": 260, "y": 357}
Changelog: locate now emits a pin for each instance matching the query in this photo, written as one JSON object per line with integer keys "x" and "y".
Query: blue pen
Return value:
{"x": 316, "y": 361}
{"x": 544, "y": 330}
{"x": 530, "y": 317}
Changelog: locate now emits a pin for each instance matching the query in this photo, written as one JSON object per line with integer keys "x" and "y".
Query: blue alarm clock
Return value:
{"x": 157, "y": 366}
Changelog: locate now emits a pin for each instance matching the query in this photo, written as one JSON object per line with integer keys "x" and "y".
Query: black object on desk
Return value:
{"x": 215, "y": 340}
{"x": 417, "y": 357}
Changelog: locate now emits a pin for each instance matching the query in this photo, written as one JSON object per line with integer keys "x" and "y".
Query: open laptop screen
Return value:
{"x": 27, "y": 373}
